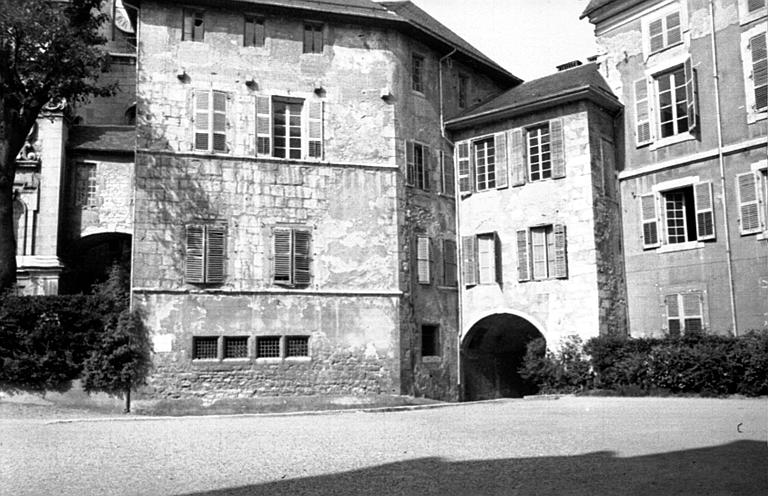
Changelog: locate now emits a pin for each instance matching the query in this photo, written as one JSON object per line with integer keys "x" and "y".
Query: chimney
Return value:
{"x": 569, "y": 65}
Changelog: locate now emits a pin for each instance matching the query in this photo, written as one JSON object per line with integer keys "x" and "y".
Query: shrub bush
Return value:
{"x": 565, "y": 371}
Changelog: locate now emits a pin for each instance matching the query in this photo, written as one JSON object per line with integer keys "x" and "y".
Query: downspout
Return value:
{"x": 440, "y": 83}
{"x": 721, "y": 161}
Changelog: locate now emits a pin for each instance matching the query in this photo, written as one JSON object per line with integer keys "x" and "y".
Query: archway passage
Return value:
{"x": 89, "y": 260}
{"x": 492, "y": 352}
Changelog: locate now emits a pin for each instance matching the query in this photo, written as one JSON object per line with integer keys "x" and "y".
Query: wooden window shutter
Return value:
{"x": 523, "y": 258}
{"x": 263, "y": 125}
{"x": 219, "y": 121}
{"x": 705, "y": 213}
{"x": 469, "y": 260}
{"x": 497, "y": 257}
{"x": 674, "y": 34}
{"x": 215, "y": 240}
{"x": 691, "y": 95}
{"x": 302, "y": 257}
{"x": 656, "y": 33}
{"x": 423, "y": 257}
{"x": 202, "y": 120}
{"x": 464, "y": 166}
{"x": 557, "y": 145}
{"x": 448, "y": 175}
{"x": 502, "y": 167}
{"x": 282, "y": 256}
{"x": 315, "y": 130}
{"x": 749, "y": 203}
{"x": 517, "y": 157}
{"x": 449, "y": 262}
{"x": 642, "y": 113}
{"x": 194, "y": 258}
{"x": 430, "y": 165}
{"x": 410, "y": 163}
{"x": 189, "y": 26}
{"x": 561, "y": 252}
{"x": 759, "y": 70}
{"x": 650, "y": 221}
{"x": 754, "y": 5}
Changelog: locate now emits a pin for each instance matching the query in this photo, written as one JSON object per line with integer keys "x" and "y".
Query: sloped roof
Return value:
{"x": 553, "y": 89}
{"x": 102, "y": 138}
{"x": 593, "y": 5}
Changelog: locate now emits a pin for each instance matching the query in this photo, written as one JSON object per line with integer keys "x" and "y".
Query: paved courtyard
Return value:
{"x": 582, "y": 446}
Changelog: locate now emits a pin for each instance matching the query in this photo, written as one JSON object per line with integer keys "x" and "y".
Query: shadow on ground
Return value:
{"x": 738, "y": 469}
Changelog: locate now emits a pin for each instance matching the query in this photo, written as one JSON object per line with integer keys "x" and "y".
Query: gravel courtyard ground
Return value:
{"x": 579, "y": 446}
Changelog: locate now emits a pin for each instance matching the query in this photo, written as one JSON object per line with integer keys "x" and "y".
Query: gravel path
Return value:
{"x": 580, "y": 446}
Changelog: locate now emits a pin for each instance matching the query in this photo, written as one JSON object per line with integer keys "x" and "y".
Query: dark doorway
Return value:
{"x": 89, "y": 259}
{"x": 492, "y": 352}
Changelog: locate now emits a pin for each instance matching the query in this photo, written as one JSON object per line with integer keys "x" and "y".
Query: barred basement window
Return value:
{"x": 236, "y": 347}
{"x": 205, "y": 347}
{"x": 268, "y": 347}
{"x": 297, "y": 346}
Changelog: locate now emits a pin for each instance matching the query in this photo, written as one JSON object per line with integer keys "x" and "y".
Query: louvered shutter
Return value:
{"x": 410, "y": 163}
{"x": 749, "y": 202}
{"x": 449, "y": 262}
{"x": 263, "y": 125}
{"x": 705, "y": 214}
{"x": 219, "y": 121}
{"x": 202, "y": 120}
{"x": 517, "y": 157}
{"x": 754, "y": 5}
{"x": 502, "y": 167}
{"x": 557, "y": 146}
{"x": 423, "y": 257}
{"x": 656, "y": 34}
{"x": 674, "y": 34}
{"x": 497, "y": 258}
{"x": 691, "y": 95}
{"x": 673, "y": 314}
{"x": 523, "y": 258}
{"x": 215, "y": 254}
{"x": 282, "y": 256}
{"x": 642, "y": 113}
{"x": 315, "y": 130}
{"x": 757, "y": 47}
{"x": 650, "y": 221}
{"x": 431, "y": 164}
{"x": 194, "y": 257}
{"x": 561, "y": 252}
{"x": 469, "y": 260}
{"x": 302, "y": 257}
{"x": 449, "y": 185}
{"x": 464, "y": 166}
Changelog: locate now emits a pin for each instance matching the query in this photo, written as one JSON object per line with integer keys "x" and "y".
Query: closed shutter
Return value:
{"x": 517, "y": 157}
{"x": 755, "y": 5}
{"x": 449, "y": 185}
{"x": 642, "y": 113}
{"x": 202, "y": 120}
{"x": 410, "y": 163}
{"x": 469, "y": 260}
{"x": 502, "y": 168}
{"x": 759, "y": 72}
{"x": 423, "y": 257}
{"x": 449, "y": 262}
{"x": 263, "y": 125}
{"x": 302, "y": 257}
{"x": 523, "y": 258}
{"x": 431, "y": 165}
{"x": 674, "y": 34}
{"x": 497, "y": 258}
{"x": 749, "y": 206}
{"x": 650, "y": 221}
{"x": 561, "y": 252}
{"x": 315, "y": 130}
{"x": 464, "y": 166}
{"x": 656, "y": 34}
{"x": 194, "y": 258}
{"x": 214, "y": 254}
{"x": 282, "y": 256}
{"x": 691, "y": 95}
{"x": 557, "y": 145}
{"x": 705, "y": 215}
{"x": 219, "y": 121}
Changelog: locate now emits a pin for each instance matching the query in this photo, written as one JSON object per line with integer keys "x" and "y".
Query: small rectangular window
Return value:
{"x": 194, "y": 26}
{"x": 542, "y": 253}
{"x": 430, "y": 340}
{"x": 539, "y": 153}
{"x": 236, "y": 347}
{"x": 684, "y": 313}
{"x": 424, "y": 260}
{"x": 313, "y": 38}
{"x": 205, "y": 347}
{"x": 297, "y": 346}
{"x": 268, "y": 347}
{"x": 254, "y": 32}
{"x": 417, "y": 73}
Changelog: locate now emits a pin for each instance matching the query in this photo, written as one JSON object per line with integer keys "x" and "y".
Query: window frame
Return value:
{"x": 662, "y": 15}
{"x": 226, "y": 339}
{"x": 682, "y": 316}
{"x": 212, "y": 129}
{"x": 418, "y": 71}
{"x": 86, "y": 185}
{"x": 418, "y": 161}
{"x": 193, "y": 15}
{"x": 540, "y": 145}
{"x": 198, "y": 340}
{"x": 317, "y": 29}
{"x": 297, "y": 267}
{"x": 257, "y": 41}
{"x": 556, "y": 262}
{"x": 205, "y": 261}
{"x": 488, "y": 176}
{"x": 450, "y": 266}
{"x": 312, "y": 128}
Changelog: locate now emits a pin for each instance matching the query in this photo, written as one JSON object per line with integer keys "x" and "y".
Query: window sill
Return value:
{"x": 447, "y": 288}
{"x": 268, "y": 361}
{"x": 671, "y": 140}
{"x": 690, "y": 245}
{"x": 431, "y": 359}
{"x": 418, "y": 93}
{"x": 753, "y": 117}
{"x": 298, "y": 359}
{"x": 761, "y": 236}
{"x": 236, "y": 361}
{"x": 754, "y": 16}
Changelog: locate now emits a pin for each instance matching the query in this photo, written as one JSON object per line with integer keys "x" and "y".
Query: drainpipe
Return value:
{"x": 721, "y": 161}
{"x": 440, "y": 83}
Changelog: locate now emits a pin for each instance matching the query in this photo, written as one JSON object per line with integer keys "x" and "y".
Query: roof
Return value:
{"x": 557, "y": 88}
{"x": 102, "y": 138}
{"x": 593, "y": 5}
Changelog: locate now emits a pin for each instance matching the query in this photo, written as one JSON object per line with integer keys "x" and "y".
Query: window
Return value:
{"x": 685, "y": 211}
{"x": 268, "y": 347}
{"x": 417, "y": 157}
{"x": 664, "y": 32}
{"x": 539, "y": 153}
{"x": 235, "y": 346}
{"x": 292, "y": 256}
{"x": 430, "y": 340}
{"x": 210, "y": 121}
{"x": 463, "y": 91}
{"x": 481, "y": 259}
{"x": 542, "y": 253}
{"x": 417, "y": 73}
{"x": 673, "y": 103}
{"x": 755, "y": 59}
{"x": 297, "y": 346}
{"x": 86, "y": 187}
{"x": 254, "y": 32}
{"x": 447, "y": 177}
{"x": 485, "y": 164}
{"x": 313, "y": 38}
{"x": 289, "y": 128}
{"x": 449, "y": 263}
{"x": 752, "y": 190}
{"x": 205, "y": 347}
{"x": 675, "y": 100}
{"x": 194, "y": 26}
{"x": 424, "y": 260}
{"x": 684, "y": 313}
{"x": 205, "y": 253}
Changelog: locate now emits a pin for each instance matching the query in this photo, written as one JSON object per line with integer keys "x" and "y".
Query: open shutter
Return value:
{"x": 650, "y": 221}
{"x": 469, "y": 260}
{"x": 705, "y": 214}
{"x": 759, "y": 70}
{"x": 315, "y": 130}
{"x": 431, "y": 164}
{"x": 410, "y": 163}
{"x": 561, "y": 252}
{"x": 202, "y": 120}
{"x": 464, "y": 166}
{"x": 423, "y": 257}
{"x": 502, "y": 168}
{"x": 214, "y": 254}
{"x": 263, "y": 125}
{"x": 497, "y": 258}
{"x": 674, "y": 35}
{"x": 691, "y": 95}
{"x": 642, "y": 113}
{"x": 449, "y": 262}
{"x": 749, "y": 204}
{"x": 557, "y": 146}
{"x": 219, "y": 121}
{"x": 517, "y": 157}
{"x": 193, "y": 270}
{"x": 302, "y": 257}
{"x": 523, "y": 258}
{"x": 282, "y": 256}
